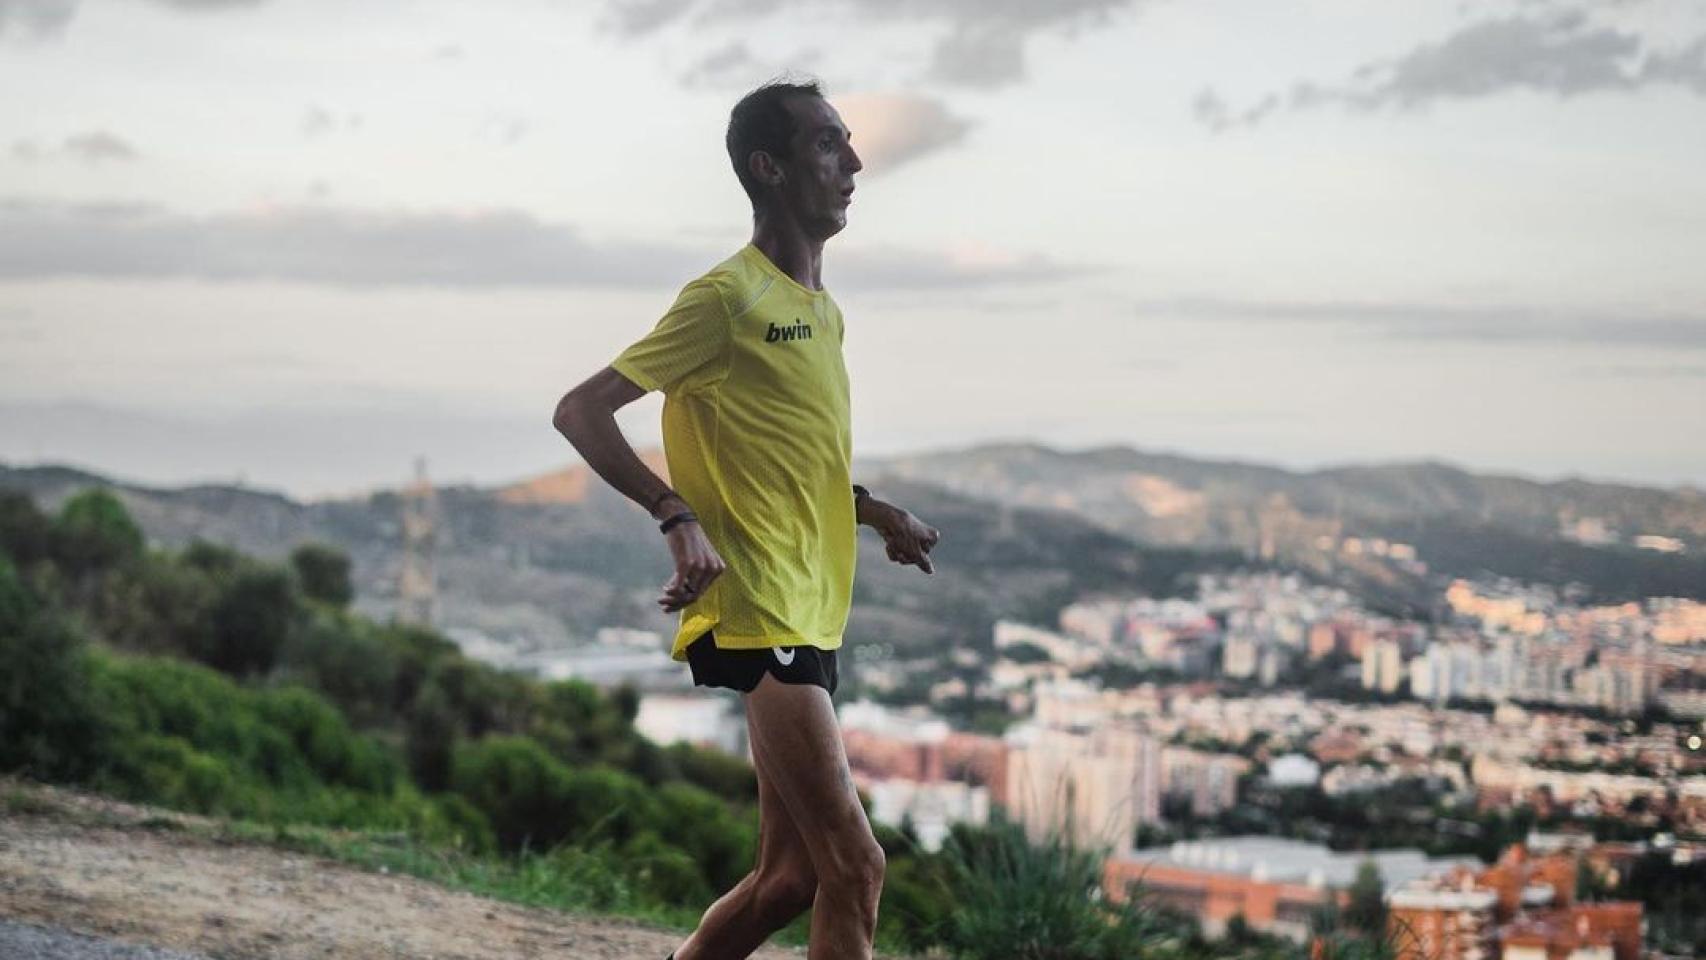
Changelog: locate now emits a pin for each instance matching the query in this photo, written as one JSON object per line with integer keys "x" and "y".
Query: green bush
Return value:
{"x": 49, "y": 725}
{"x": 517, "y": 786}
{"x": 429, "y": 739}
{"x": 730, "y": 778}
{"x": 323, "y": 571}
{"x": 343, "y": 658}
{"x": 252, "y": 620}
{"x": 1017, "y": 900}
{"x": 185, "y": 736}
{"x": 535, "y": 802}
{"x": 26, "y": 534}
{"x": 707, "y": 831}
{"x": 664, "y": 873}
{"x": 162, "y": 606}
{"x": 94, "y": 532}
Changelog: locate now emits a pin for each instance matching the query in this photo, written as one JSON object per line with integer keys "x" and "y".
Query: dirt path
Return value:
{"x": 95, "y": 867}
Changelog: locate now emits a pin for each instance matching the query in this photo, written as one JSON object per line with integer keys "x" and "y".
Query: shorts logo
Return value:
{"x": 784, "y": 661}
{"x": 799, "y": 331}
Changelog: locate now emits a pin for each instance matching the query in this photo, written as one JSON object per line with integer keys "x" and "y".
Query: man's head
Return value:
{"x": 793, "y": 156}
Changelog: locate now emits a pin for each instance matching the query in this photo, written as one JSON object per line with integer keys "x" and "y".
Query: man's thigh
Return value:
{"x": 797, "y": 742}
{"x": 781, "y": 846}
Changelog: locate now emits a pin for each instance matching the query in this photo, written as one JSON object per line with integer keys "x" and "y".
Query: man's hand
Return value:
{"x": 696, "y": 565}
{"x": 909, "y": 539}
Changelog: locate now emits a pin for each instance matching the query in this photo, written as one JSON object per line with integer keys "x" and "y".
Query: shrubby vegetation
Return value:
{"x": 205, "y": 680}
{"x": 208, "y": 681}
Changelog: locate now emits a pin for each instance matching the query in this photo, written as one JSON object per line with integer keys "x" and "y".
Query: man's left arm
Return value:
{"x": 909, "y": 539}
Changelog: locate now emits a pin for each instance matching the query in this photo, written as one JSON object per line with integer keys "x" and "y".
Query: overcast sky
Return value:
{"x": 300, "y": 242}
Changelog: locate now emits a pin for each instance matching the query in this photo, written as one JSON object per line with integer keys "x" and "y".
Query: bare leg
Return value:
{"x": 794, "y": 730}
{"x": 779, "y": 888}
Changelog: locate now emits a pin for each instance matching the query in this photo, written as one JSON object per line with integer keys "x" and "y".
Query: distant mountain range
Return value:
{"x": 1618, "y": 541}
{"x": 550, "y": 559}
{"x": 1026, "y": 528}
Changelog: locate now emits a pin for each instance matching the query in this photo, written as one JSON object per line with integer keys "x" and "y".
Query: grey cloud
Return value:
{"x": 639, "y": 17}
{"x": 733, "y": 65}
{"x": 93, "y": 146}
{"x": 981, "y": 55}
{"x": 981, "y": 44}
{"x": 319, "y": 121}
{"x": 1560, "y": 53}
{"x": 319, "y": 245}
{"x": 46, "y": 18}
{"x": 97, "y": 146}
{"x": 352, "y": 247}
{"x": 1426, "y": 321}
{"x": 507, "y": 131}
{"x": 37, "y": 18}
{"x": 727, "y": 62}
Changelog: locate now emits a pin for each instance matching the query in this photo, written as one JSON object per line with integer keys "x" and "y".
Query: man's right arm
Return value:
{"x": 586, "y": 417}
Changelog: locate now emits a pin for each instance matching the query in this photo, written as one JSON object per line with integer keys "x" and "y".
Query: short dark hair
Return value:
{"x": 761, "y": 121}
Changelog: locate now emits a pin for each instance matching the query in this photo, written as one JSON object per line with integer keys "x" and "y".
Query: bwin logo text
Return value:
{"x": 799, "y": 331}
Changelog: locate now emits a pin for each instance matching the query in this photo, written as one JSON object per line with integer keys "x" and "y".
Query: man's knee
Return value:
{"x": 859, "y": 870}
{"x": 788, "y": 891}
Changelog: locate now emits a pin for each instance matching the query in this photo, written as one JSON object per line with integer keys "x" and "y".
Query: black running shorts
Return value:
{"x": 742, "y": 669}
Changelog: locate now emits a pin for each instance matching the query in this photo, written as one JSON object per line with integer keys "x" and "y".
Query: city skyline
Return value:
{"x": 238, "y": 241}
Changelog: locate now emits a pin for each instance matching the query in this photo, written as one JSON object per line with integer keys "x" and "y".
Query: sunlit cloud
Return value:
{"x": 890, "y": 130}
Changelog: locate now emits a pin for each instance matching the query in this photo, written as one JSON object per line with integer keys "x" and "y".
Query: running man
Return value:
{"x": 762, "y": 523}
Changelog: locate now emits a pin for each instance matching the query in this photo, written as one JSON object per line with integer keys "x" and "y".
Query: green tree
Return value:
{"x": 94, "y": 533}
{"x": 252, "y": 619}
{"x": 49, "y": 726}
{"x": 343, "y": 658}
{"x": 160, "y": 606}
{"x": 25, "y": 532}
{"x": 429, "y": 739}
{"x": 324, "y": 572}
{"x": 1367, "y": 908}
{"x": 212, "y": 558}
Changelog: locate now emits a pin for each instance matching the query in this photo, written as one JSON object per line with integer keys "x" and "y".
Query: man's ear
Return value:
{"x": 765, "y": 168}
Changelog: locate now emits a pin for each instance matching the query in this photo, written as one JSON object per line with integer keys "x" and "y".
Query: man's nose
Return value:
{"x": 854, "y": 165}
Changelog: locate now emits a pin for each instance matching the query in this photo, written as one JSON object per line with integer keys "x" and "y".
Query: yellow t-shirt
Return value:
{"x": 757, "y": 430}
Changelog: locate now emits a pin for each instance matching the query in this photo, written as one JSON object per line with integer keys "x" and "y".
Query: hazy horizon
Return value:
{"x": 439, "y": 478}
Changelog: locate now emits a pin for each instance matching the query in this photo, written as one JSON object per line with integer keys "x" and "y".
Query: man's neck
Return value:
{"x": 796, "y": 254}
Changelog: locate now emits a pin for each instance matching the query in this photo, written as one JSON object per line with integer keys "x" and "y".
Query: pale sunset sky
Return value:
{"x": 301, "y": 242}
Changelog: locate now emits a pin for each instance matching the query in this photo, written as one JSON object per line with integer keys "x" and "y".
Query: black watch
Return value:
{"x": 685, "y": 516}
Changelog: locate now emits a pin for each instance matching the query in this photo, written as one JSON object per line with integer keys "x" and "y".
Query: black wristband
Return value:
{"x": 859, "y": 493}
{"x": 680, "y": 518}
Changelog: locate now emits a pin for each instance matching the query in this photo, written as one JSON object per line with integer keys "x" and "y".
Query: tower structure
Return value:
{"x": 417, "y": 585}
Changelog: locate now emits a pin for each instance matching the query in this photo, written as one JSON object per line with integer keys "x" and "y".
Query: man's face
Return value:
{"x": 819, "y": 170}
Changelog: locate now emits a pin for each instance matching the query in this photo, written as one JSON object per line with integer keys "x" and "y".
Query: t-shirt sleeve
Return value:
{"x": 691, "y": 335}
